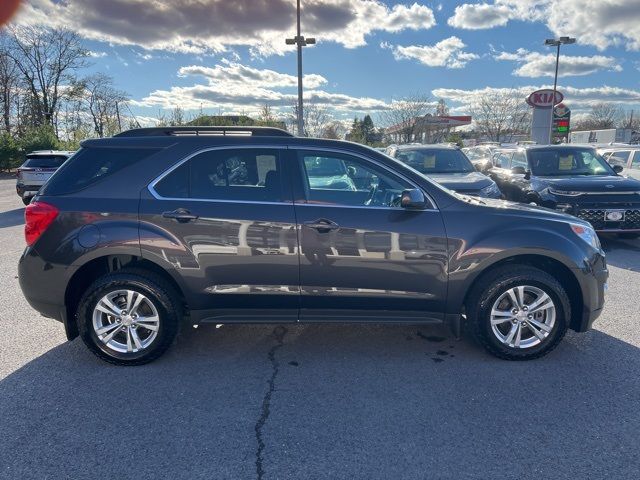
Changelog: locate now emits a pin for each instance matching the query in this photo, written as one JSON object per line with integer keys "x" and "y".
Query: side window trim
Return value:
{"x": 281, "y": 156}
{"x": 299, "y": 167}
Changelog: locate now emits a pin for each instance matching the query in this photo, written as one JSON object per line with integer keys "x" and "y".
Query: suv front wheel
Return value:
{"x": 129, "y": 317}
{"x": 518, "y": 312}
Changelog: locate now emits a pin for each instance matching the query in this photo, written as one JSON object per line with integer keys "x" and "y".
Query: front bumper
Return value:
{"x": 596, "y": 215}
{"x": 593, "y": 278}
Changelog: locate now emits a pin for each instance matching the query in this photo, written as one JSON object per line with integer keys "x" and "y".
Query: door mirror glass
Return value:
{"x": 618, "y": 168}
{"x": 413, "y": 199}
{"x": 518, "y": 170}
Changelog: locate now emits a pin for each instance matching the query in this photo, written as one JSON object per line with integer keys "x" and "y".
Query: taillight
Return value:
{"x": 38, "y": 216}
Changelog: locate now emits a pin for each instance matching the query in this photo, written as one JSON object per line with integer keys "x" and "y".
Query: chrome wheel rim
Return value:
{"x": 523, "y": 317}
{"x": 126, "y": 321}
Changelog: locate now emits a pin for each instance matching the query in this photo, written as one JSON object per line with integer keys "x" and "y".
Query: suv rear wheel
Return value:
{"x": 129, "y": 317}
{"x": 519, "y": 312}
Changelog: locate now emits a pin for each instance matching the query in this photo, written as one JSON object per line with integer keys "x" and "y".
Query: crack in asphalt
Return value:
{"x": 279, "y": 333}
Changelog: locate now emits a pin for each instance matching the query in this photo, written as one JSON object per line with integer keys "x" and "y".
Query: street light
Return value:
{"x": 552, "y": 42}
{"x": 300, "y": 41}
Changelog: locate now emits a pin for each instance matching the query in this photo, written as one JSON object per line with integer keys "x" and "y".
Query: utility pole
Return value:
{"x": 552, "y": 42}
{"x": 300, "y": 42}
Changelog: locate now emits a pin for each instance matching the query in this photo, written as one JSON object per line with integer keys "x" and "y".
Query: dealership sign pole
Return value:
{"x": 543, "y": 102}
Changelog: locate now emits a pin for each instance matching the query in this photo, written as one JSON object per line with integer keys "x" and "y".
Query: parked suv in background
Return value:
{"x": 572, "y": 179}
{"x": 627, "y": 157}
{"x": 36, "y": 170}
{"x": 448, "y": 166}
{"x": 136, "y": 233}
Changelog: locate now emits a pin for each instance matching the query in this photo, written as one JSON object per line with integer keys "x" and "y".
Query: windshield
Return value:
{"x": 44, "y": 161}
{"x": 568, "y": 162}
{"x": 324, "y": 167}
{"x": 436, "y": 160}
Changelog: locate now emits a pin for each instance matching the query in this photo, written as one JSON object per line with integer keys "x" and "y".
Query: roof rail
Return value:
{"x": 222, "y": 131}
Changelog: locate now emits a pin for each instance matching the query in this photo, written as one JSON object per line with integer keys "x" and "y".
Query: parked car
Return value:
{"x": 575, "y": 180}
{"x": 36, "y": 170}
{"x": 138, "y": 233}
{"x": 448, "y": 166}
{"x": 627, "y": 157}
{"x": 480, "y": 155}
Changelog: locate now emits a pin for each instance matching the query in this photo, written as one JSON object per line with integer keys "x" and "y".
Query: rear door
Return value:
{"x": 363, "y": 256}
{"x": 225, "y": 220}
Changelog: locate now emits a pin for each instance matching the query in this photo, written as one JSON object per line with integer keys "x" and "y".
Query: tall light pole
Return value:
{"x": 300, "y": 41}
{"x": 552, "y": 42}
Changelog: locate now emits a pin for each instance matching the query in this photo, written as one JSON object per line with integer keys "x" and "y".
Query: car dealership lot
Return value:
{"x": 311, "y": 401}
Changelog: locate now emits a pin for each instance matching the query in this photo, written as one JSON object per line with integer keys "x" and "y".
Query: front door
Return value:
{"x": 362, "y": 255}
{"x": 225, "y": 220}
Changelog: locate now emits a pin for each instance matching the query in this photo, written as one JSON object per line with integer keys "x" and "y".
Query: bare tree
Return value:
{"x": 47, "y": 60}
{"x": 630, "y": 119}
{"x": 334, "y": 130}
{"x": 601, "y": 116}
{"x": 9, "y": 78}
{"x": 500, "y": 117}
{"x": 315, "y": 119}
{"x": 402, "y": 118}
{"x": 101, "y": 99}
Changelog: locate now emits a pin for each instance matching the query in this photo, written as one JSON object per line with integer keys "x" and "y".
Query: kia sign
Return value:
{"x": 544, "y": 98}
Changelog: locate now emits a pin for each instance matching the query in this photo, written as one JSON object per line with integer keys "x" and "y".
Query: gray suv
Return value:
{"x": 36, "y": 170}
{"x": 137, "y": 234}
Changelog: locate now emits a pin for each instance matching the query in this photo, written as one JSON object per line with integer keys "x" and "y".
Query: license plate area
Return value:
{"x": 614, "y": 215}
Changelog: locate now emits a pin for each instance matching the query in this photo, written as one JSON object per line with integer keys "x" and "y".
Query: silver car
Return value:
{"x": 628, "y": 157}
{"x": 36, "y": 170}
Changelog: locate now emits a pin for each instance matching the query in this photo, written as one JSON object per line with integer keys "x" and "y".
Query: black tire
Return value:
{"x": 491, "y": 286}
{"x": 156, "y": 289}
{"x": 27, "y": 200}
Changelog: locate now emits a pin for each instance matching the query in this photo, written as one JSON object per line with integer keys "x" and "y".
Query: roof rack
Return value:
{"x": 231, "y": 131}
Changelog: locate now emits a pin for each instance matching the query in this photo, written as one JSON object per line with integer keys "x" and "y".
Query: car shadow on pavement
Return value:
{"x": 622, "y": 253}
{"x": 12, "y": 218}
{"x": 330, "y": 401}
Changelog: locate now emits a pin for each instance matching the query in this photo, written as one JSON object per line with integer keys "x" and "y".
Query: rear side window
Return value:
{"x": 44, "y": 161}
{"x": 92, "y": 165}
{"x": 228, "y": 174}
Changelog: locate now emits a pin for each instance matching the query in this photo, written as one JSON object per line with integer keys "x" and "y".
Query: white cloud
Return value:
{"x": 574, "y": 98}
{"x": 233, "y": 72}
{"x": 535, "y": 64}
{"x": 235, "y": 87}
{"x": 479, "y": 16}
{"x": 601, "y": 23}
{"x": 447, "y": 53}
{"x": 205, "y": 26}
{"x": 93, "y": 54}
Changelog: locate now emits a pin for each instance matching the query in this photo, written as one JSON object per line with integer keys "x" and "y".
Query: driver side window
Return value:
{"x": 339, "y": 179}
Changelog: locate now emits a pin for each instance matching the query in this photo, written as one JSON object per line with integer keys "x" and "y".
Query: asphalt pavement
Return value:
{"x": 318, "y": 401}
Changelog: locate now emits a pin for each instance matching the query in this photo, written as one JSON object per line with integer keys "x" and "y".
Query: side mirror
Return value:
{"x": 413, "y": 199}
{"x": 618, "y": 168}
{"x": 519, "y": 170}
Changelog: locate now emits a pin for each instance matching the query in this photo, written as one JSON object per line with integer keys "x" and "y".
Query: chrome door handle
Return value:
{"x": 181, "y": 215}
{"x": 322, "y": 225}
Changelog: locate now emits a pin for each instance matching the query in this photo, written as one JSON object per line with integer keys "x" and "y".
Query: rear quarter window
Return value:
{"x": 41, "y": 161}
{"x": 92, "y": 165}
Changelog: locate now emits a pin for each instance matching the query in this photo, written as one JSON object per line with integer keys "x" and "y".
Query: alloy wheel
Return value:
{"x": 126, "y": 321}
{"x": 523, "y": 317}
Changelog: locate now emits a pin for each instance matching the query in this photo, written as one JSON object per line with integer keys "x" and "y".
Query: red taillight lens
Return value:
{"x": 38, "y": 216}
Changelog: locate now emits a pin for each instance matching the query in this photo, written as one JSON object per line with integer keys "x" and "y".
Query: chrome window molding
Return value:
{"x": 157, "y": 196}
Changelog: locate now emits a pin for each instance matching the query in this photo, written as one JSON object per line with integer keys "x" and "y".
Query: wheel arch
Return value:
{"x": 99, "y": 266}
{"x": 547, "y": 264}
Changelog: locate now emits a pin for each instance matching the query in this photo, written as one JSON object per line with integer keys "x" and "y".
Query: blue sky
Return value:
{"x": 231, "y": 57}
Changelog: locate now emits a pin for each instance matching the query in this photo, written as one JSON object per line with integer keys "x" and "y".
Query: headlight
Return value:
{"x": 588, "y": 234}
{"x": 490, "y": 191}
{"x": 563, "y": 193}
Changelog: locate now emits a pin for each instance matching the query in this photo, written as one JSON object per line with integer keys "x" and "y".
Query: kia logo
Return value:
{"x": 544, "y": 98}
